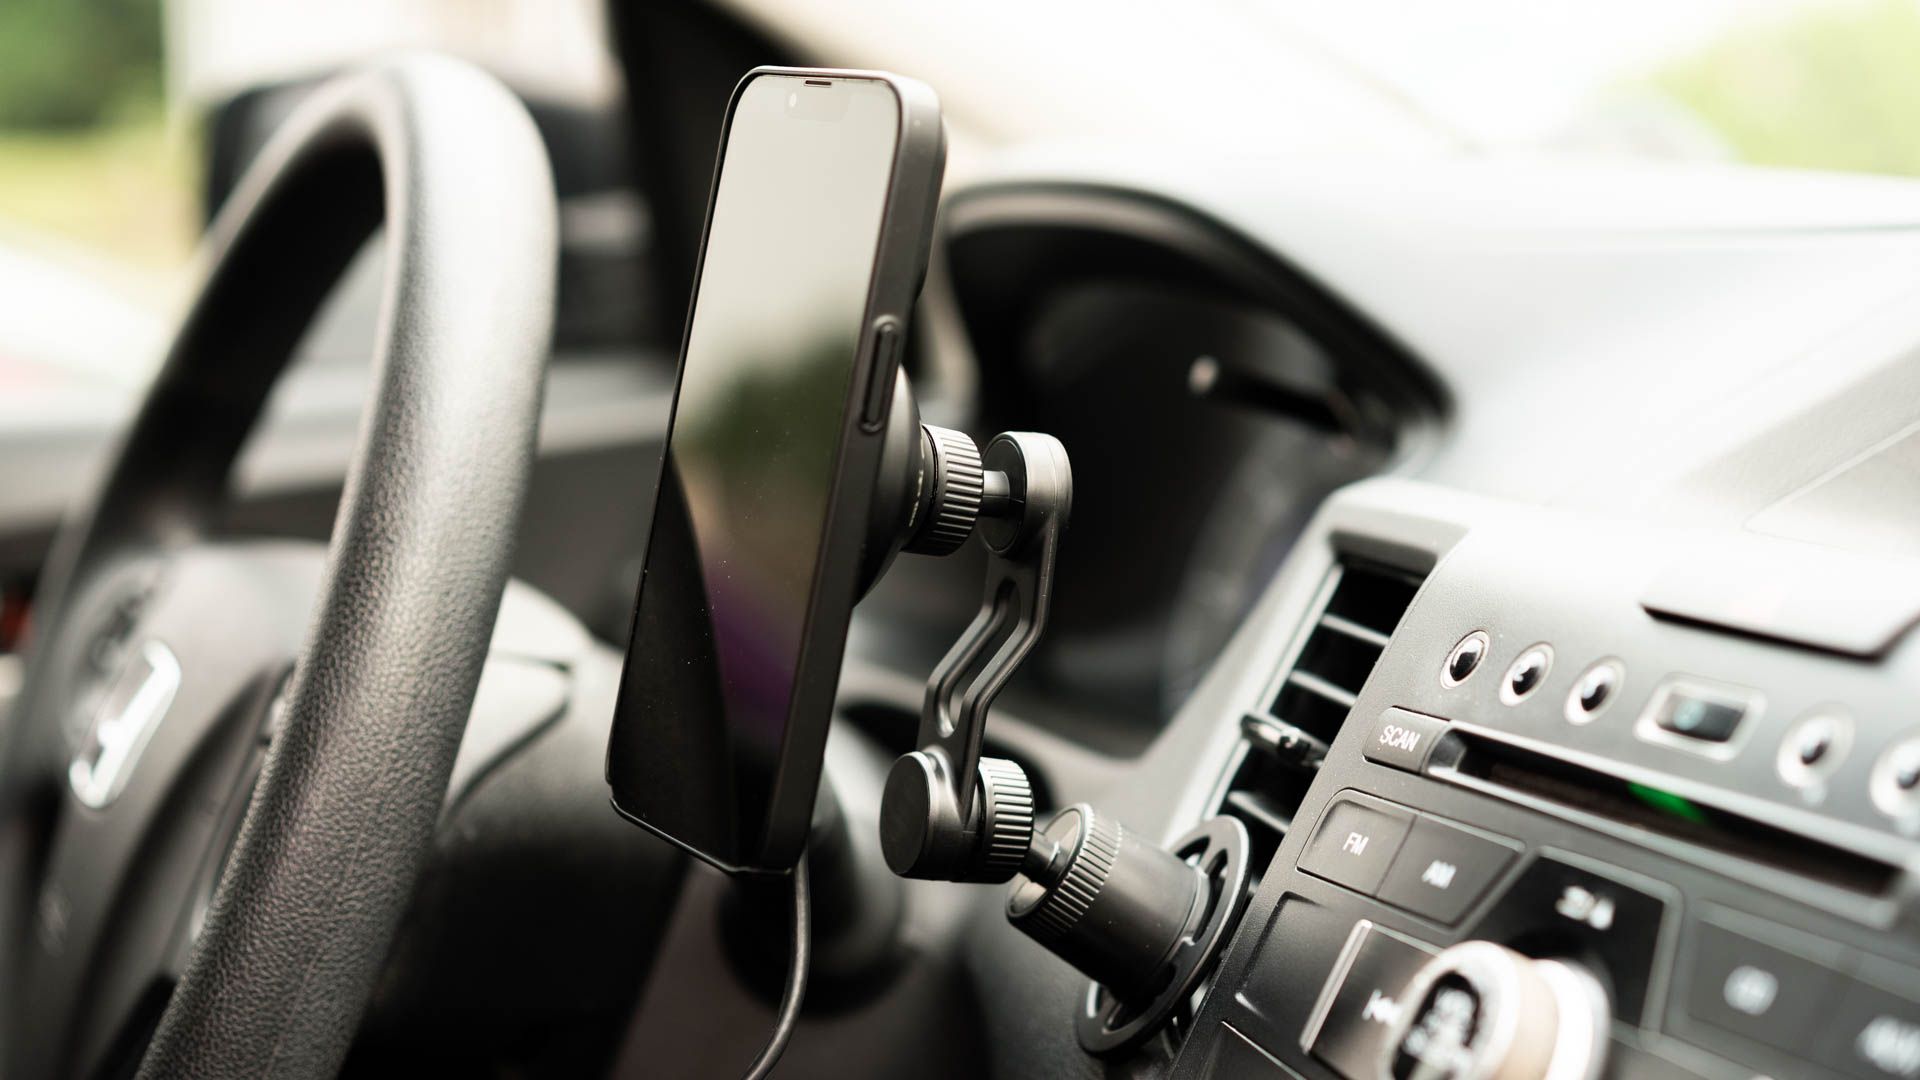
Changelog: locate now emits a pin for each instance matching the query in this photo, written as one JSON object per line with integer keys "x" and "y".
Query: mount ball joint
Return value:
{"x": 1143, "y": 922}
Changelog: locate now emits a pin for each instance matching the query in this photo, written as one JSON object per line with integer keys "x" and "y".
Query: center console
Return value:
{"x": 1596, "y": 799}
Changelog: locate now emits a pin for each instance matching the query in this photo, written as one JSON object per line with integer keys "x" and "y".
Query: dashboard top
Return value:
{"x": 1683, "y": 344}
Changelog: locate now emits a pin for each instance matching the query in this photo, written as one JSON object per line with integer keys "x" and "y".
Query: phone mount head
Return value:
{"x": 1144, "y": 922}
{"x": 933, "y": 491}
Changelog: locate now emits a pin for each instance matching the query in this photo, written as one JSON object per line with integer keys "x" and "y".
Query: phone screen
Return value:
{"x": 752, "y": 455}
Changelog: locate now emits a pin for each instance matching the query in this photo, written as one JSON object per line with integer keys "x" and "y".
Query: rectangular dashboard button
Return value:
{"x": 1697, "y": 713}
{"x": 1363, "y": 1000}
{"x": 1442, "y": 870}
{"x": 1757, "y": 991}
{"x": 1587, "y": 908}
{"x": 1872, "y": 1034}
{"x": 1403, "y": 740}
{"x": 1355, "y": 843}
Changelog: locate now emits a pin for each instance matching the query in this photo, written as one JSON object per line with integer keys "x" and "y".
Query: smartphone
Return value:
{"x": 815, "y": 248}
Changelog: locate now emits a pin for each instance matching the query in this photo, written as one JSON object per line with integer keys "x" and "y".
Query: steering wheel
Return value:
{"x": 213, "y": 804}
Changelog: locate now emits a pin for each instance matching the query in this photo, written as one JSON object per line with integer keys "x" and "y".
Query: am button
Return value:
{"x": 1442, "y": 870}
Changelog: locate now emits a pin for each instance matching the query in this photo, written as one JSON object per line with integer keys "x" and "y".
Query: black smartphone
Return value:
{"x": 815, "y": 248}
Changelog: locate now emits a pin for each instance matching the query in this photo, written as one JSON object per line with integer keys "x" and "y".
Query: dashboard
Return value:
{"x": 1581, "y": 681}
{"x": 1523, "y": 557}
{"x": 1597, "y": 768}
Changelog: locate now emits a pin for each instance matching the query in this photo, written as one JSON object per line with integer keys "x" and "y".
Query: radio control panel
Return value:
{"x": 1562, "y": 834}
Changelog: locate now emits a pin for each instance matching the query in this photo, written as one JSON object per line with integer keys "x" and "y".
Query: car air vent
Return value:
{"x": 1360, "y": 605}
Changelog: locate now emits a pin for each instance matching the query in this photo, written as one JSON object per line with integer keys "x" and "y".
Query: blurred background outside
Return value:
{"x": 105, "y": 104}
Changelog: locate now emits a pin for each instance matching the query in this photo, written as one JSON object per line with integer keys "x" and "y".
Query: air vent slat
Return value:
{"x": 1252, "y": 804}
{"x": 1345, "y": 638}
{"x": 1314, "y": 684}
{"x": 1354, "y": 630}
{"x": 1372, "y": 596}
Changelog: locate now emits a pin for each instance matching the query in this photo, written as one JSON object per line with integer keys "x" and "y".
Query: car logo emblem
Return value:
{"x": 122, "y": 725}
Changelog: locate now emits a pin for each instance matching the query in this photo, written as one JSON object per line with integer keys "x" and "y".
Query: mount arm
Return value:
{"x": 948, "y": 814}
{"x": 1144, "y": 922}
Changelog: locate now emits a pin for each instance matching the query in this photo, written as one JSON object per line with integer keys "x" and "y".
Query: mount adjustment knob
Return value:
{"x": 1481, "y": 1011}
{"x": 922, "y": 833}
{"x": 1006, "y": 820}
{"x": 954, "y": 485}
{"x": 1105, "y": 902}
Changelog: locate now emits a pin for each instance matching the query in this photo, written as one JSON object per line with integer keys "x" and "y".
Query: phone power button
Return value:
{"x": 886, "y": 355}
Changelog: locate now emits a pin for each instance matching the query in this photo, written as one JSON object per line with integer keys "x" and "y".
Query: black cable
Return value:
{"x": 796, "y": 977}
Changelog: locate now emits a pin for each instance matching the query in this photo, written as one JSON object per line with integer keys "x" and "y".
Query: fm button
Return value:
{"x": 1356, "y": 842}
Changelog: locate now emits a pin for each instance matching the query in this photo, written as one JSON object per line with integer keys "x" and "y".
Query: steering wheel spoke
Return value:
{"x": 161, "y": 735}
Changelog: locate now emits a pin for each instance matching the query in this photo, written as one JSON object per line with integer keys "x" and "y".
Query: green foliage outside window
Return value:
{"x": 1827, "y": 88}
{"x": 74, "y": 63}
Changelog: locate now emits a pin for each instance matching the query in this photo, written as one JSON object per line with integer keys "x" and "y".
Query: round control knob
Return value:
{"x": 1006, "y": 825}
{"x": 921, "y": 831}
{"x": 1465, "y": 659}
{"x": 1481, "y": 1011}
{"x": 955, "y": 482}
{"x": 1106, "y": 903}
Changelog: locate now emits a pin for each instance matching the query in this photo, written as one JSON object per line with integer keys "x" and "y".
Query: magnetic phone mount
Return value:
{"x": 1143, "y": 922}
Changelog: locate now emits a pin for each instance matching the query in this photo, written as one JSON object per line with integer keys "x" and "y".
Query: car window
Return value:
{"x": 124, "y": 122}
{"x": 96, "y": 210}
{"x": 1822, "y": 84}
{"x": 1817, "y": 84}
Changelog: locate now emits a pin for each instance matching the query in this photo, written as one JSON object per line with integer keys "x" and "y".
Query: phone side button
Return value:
{"x": 885, "y": 353}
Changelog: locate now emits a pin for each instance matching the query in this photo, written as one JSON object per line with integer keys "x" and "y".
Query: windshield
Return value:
{"x": 1821, "y": 84}
{"x": 111, "y": 110}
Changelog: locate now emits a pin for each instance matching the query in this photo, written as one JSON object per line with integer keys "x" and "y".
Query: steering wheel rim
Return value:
{"x": 342, "y": 816}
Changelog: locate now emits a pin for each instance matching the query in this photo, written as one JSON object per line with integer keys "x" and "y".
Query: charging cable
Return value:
{"x": 796, "y": 987}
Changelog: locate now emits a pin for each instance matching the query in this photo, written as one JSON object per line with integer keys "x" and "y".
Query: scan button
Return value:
{"x": 1355, "y": 843}
{"x": 1403, "y": 740}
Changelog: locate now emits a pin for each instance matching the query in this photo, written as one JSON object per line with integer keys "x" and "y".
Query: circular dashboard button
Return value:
{"x": 1896, "y": 780}
{"x": 1526, "y": 674}
{"x": 1813, "y": 748}
{"x": 1480, "y": 1011}
{"x": 1593, "y": 690}
{"x": 1812, "y": 745}
{"x": 1465, "y": 659}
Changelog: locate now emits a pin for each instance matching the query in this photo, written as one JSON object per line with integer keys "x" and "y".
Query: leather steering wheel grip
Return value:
{"x": 343, "y": 816}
